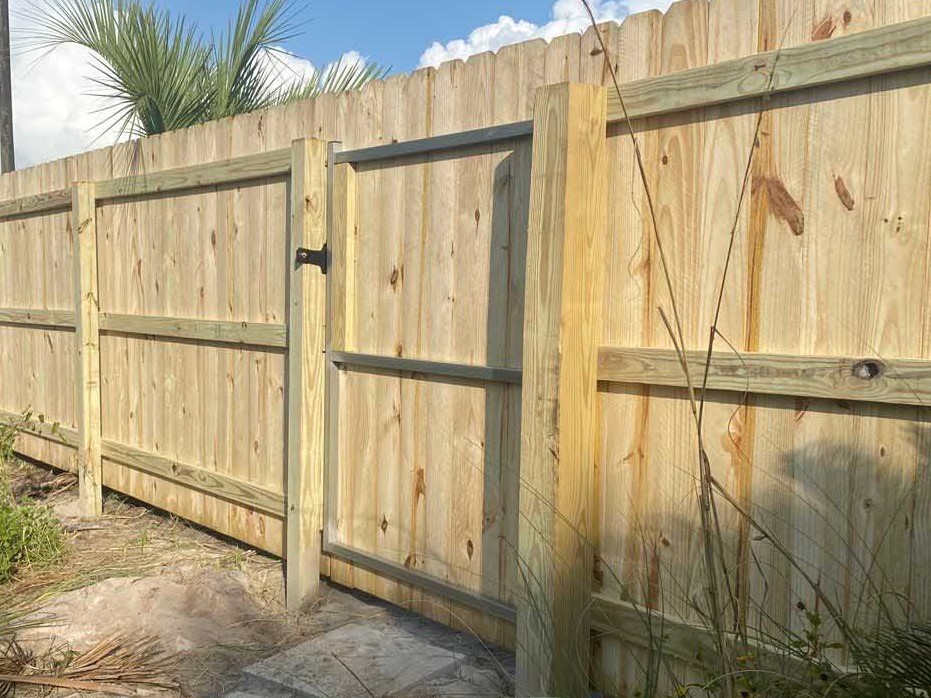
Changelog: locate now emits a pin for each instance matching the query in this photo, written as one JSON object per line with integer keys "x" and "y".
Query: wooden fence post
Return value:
{"x": 306, "y": 372}
{"x": 87, "y": 347}
{"x": 559, "y": 417}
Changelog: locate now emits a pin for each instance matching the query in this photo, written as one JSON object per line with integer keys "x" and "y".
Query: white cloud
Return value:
{"x": 635, "y": 6}
{"x": 567, "y": 16}
{"x": 53, "y": 112}
{"x": 288, "y": 68}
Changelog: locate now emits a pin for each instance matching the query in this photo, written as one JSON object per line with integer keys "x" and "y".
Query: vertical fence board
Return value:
{"x": 87, "y": 339}
{"x": 627, "y": 315}
{"x": 390, "y": 206}
{"x": 418, "y": 123}
{"x": 342, "y": 240}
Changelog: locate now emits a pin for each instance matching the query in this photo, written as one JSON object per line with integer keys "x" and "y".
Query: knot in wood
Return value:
{"x": 867, "y": 369}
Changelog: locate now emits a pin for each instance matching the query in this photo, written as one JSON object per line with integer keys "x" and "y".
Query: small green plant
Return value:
{"x": 23, "y": 422}
{"x": 29, "y": 533}
{"x": 234, "y": 561}
{"x": 29, "y": 536}
{"x": 9, "y": 432}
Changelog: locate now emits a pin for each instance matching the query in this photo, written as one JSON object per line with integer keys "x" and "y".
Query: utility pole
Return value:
{"x": 7, "y": 161}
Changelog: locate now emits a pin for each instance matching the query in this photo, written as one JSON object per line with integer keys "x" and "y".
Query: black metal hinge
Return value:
{"x": 316, "y": 257}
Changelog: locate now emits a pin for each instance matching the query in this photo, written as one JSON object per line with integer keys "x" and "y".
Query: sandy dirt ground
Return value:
{"x": 216, "y": 606}
{"x": 213, "y": 605}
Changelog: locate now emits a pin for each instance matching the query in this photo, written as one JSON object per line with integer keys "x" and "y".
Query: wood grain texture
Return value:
{"x": 341, "y": 241}
{"x": 565, "y": 239}
{"x": 191, "y": 264}
{"x": 306, "y": 372}
{"x": 896, "y": 48}
{"x": 87, "y": 348}
{"x": 213, "y": 331}
{"x": 191, "y": 476}
{"x": 767, "y": 430}
{"x": 275, "y": 163}
{"x": 43, "y": 428}
{"x": 518, "y": 72}
{"x": 686, "y": 641}
{"x": 345, "y": 231}
{"x": 830, "y": 259}
{"x": 893, "y": 381}
{"x": 36, "y": 274}
{"x": 627, "y": 314}
{"x": 63, "y": 319}
{"x": 42, "y": 202}
{"x": 831, "y": 455}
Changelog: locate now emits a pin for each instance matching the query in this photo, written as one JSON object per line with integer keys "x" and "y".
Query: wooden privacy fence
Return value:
{"x": 477, "y": 412}
{"x": 92, "y": 270}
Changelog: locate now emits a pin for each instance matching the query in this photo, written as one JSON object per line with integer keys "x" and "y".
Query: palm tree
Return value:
{"x": 162, "y": 74}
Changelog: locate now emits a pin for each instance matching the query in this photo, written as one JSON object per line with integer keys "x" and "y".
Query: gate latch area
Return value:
{"x": 317, "y": 258}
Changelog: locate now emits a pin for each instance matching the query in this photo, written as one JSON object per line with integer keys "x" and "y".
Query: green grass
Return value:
{"x": 30, "y": 535}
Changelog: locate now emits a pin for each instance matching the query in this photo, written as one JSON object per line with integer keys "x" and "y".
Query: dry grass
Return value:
{"x": 111, "y": 666}
{"x": 129, "y": 540}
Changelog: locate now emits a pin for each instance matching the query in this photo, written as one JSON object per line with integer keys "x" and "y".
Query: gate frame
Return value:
{"x": 341, "y": 227}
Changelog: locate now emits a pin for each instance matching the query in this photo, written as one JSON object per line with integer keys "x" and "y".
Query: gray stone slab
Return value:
{"x": 263, "y": 692}
{"x": 357, "y": 659}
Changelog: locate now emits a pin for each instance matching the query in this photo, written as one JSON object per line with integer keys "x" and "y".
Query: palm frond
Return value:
{"x": 898, "y": 657}
{"x": 345, "y": 75}
{"x": 150, "y": 64}
{"x": 159, "y": 74}
{"x": 244, "y": 82}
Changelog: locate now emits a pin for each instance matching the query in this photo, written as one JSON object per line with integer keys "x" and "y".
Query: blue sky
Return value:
{"x": 393, "y": 33}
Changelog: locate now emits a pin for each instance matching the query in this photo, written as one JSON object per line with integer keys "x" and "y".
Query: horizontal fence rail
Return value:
{"x": 424, "y": 581}
{"x": 48, "y": 202}
{"x": 213, "y": 483}
{"x": 893, "y": 381}
{"x": 895, "y": 48}
{"x": 44, "y": 429}
{"x": 275, "y": 163}
{"x": 436, "y": 144}
{"x": 420, "y": 367}
{"x": 62, "y": 319}
{"x": 215, "y": 331}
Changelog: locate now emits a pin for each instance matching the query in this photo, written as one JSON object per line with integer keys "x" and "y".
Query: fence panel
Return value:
{"x": 817, "y": 270}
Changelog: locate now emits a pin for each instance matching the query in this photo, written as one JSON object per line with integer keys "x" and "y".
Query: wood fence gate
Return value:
{"x": 348, "y": 255}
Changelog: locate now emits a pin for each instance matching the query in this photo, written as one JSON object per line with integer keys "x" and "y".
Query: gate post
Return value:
{"x": 562, "y": 319}
{"x": 306, "y": 367}
{"x": 87, "y": 347}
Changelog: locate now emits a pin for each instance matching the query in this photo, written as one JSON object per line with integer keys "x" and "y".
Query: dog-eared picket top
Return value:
{"x": 313, "y": 340}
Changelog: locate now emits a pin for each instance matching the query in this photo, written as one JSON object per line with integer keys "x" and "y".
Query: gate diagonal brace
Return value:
{"x": 317, "y": 258}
